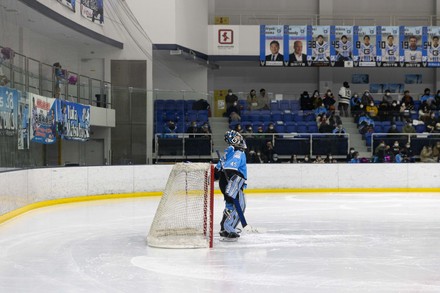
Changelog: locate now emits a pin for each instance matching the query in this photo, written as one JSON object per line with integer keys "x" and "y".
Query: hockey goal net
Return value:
{"x": 184, "y": 217}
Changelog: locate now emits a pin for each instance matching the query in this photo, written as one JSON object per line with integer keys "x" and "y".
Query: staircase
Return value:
{"x": 356, "y": 140}
{"x": 219, "y": 125}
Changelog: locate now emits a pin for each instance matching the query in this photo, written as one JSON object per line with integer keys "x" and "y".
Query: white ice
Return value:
{"x": 313, "y": 243}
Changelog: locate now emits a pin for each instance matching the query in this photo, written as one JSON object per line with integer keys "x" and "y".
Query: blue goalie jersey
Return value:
{"x": 234, "y": 160}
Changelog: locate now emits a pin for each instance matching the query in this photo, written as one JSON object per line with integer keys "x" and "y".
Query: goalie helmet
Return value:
{"x": 235, "y": 139}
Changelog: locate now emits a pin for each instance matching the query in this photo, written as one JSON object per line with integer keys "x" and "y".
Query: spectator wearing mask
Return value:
{"x": 339, "y": 129}
{"x": 238, "y": 128}
{"x": 307, "y": 159}
{"x": 329, "y": 100}
{"x": 350, "y": 154}
{"x": 316, "y": 99}
{"x": 407, "y": 154}
{"x": 306, "y": 102}
{"x": 169, "y": 130}
{"x": 383, "y": 111}
{"x": 395, "y": 111}
{"x": 426, "y": 155}
{"x": 408, "y": 101}
{"x": 395, "y": 149}
{"x": 294, "y": 159}
{"x": 231, "y": 99}
{"x": 355, "y": 159}
{"x": 372, "y": 110}
{"x": 424, "y": 113}
{"x": 367, "y": 98}
{"x": 318, "y": 160}
{"x": 329, "y": 159}
{"x": 254, "y": 157}
{"x": 205, "y": 130}
{"x": 408, "y": 128}
{"x": 380, "y": 152}
{"x": 248, "y": 133}
{"x": 193, "y": 128}
{"x": 268, "y": 152}
{"x": 387, "y": 98}
{"x": 263, "y": 100}
{"x": 271, "y": 130}
{"x": 252, "y": 100}
{"x": 344, "y": 99}
{"x": 320, "y": 109}
{"x": 426, "y": 96}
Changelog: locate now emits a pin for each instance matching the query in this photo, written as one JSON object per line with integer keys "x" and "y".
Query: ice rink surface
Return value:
{"x": 314, "y": 243}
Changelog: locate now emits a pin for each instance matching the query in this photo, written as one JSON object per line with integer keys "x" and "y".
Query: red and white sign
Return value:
{"x": 225, "y": 36}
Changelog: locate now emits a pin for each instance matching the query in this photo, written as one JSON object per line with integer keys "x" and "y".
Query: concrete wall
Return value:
{"x": 20, "y": 188}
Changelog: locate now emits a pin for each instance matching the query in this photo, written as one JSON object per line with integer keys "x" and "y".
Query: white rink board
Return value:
{"x": 23, "y": 187}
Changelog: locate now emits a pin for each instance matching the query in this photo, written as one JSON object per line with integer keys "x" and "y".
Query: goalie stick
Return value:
{"x": 246, "y": 227}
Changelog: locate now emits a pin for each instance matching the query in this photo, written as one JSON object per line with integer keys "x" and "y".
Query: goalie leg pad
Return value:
{"x": 234, "y": 186}
{"x": 232, "y": 220}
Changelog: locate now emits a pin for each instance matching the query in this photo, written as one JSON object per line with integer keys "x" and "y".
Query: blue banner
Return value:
{"x": 23, "y": 124}
{"x": 272, "y": 45}
{"x": 73, "y": 121}
{"x": 8, "y": 111}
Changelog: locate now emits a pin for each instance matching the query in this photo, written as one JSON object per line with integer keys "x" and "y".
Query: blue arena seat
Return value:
{"x": 284, "y": 105}
{"x": 420, "y": 128}
{"x": 274, "y": 106}
{"x": 276, "y": 116}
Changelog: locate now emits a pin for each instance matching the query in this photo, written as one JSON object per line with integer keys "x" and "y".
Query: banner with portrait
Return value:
{"x": 390, "y": 53}
{"x": 272, "y": 45}
{"x": 42, "y": 120}
{"x": 93, "y": 10}
{"x": 8, "y": 110}
{"x": 296, "y": 44}
{"x": 365, "y": 45}
{"x": 23, "y": 124}
{"x": 414, "y": 46}
{"x": 318, "y": 47}
{"x": 69, "y": 3}
{"x": 73, "y": 121}
{"x": 433, "y": 46}
{"x": 341, "y": 49}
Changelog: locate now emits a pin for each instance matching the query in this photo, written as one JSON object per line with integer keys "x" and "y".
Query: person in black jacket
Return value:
{"x": 306, "y": 102}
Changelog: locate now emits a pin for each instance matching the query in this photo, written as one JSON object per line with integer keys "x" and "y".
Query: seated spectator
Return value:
{"x": 306, "y": 159}
{"x": 263, "y": 100}
{"x": 393, "y": 129}
{"x": 260, "y": 131}
{"x": 405, "y": 113}
{"x": 424, "y": 113}
{"x": 387, "y": 98}
{"x": 426, "y": 155}
{"x": 294, "y": 159}
{"x": 350, "y": 154}
{"x": 407, "y": 100}
{"x": 318, "y": 160}
{"x": 306, "y": 102}
{"x": 380, "y": 152}
{"x": 254, "y": 157}
{"x": 248, "y": 133}
{"x": 233, "y": 112}
{"x": 372, "y": 110}
{"x": 268, "y": 152}
{"x": 328, "y": 100}
{"x": 325, "y": 127}
{"x": 320, "y": 109}
{"x": 426, "y": 96}
{"x": 271, "y": 130}
{"x": 363, "y": 122}
{"x": 230, "y": 99}
{"x": 395, "y": 149}
{"x": 394, "y": 111}
{"x": 355, "y": 158}
{"x": 408, "y": 128}
{"x": 383, "y": 111}
{"x": 339, "y": 129}
{"x": 252, "y": 100}
{"x": 437, "y": 100}
{"x": 193, "y": 128}
{"x": 238, "y": 128}
{"x": 355, "y": 101}
{"x": 329, "y": 159}
{"x": 407, "y": 154}
{"x": 169, "y": 130}
{"x": 367, "y": 98}
{"x": 205, "y": 130}
{"x": 316, "y": 99}
{"x": 431, "y": 122}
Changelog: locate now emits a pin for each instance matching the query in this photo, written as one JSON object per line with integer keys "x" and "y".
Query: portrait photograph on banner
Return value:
{"x": 413, "y": 46}
{"x": 93, "y": 10}
{"x": 389, "y": 54}
{"x": 318, "y": 48}
{"x": 42, "y": 120}
{"x": 8, "y": 111}
{"x": 341, "y": 50}
{"x": 272, "y": 45}
{"x": 73, "y": 121}
{"x": 433, "y": 46}
{"x": 364, "y": 51}
{"x": 69, "y": 3}
{"x": 297, "y": 45}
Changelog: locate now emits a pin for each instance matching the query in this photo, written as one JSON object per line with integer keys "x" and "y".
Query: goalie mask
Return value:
{"x": 235, "y": 139}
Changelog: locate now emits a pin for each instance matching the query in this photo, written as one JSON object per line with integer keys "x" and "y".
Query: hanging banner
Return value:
{"x": 23, "y": 124}
{"x": 73, "y": 121}
{"x": 412, "y": 43}
{"x": 8, "y": 111}
{"x": 42, "y": 120}
{"x": 341, "y": 50}
{"x": 390, "y": 53}
{"x": 318, "y": 48}
{"x": 296, "y": 43}
{"x": 68, "y": 3}
{"x": 433, "y": 46}
{"x": 364, "y": 51}
{"x": 272, "y": 45}
{"x": 93, "y": 10}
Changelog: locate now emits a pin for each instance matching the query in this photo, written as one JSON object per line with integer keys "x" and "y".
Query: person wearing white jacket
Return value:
{"x": 344, "y": 99}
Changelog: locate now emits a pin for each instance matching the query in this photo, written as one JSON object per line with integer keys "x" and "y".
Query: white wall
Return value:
{"x": 20, "y": 188}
